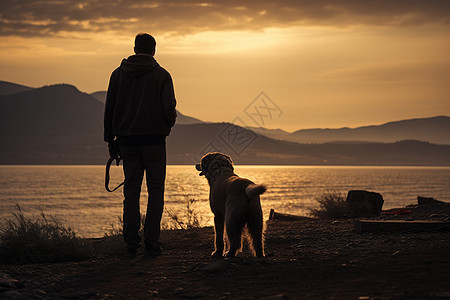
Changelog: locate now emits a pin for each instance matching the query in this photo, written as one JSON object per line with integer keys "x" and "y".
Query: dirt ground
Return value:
{"x": 305, "y": 259}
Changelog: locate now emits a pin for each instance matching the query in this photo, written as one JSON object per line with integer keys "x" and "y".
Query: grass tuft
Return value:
{"x": 44, "y": 239}
{"x": 115, "y": 229}
{"x": 332, "y": 205}
{"x": 190, "y": 220}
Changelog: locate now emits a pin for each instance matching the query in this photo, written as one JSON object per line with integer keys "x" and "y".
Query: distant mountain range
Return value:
{"x": 8, "y": 88}
{"x": 58, "y": 124}
{"x": 433, "y": 130}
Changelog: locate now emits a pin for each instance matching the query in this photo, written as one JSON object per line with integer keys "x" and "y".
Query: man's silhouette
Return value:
{"x": 139, "y": 114}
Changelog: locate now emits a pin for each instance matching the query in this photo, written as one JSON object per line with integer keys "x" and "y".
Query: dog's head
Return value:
{"x": 215, "y": 164}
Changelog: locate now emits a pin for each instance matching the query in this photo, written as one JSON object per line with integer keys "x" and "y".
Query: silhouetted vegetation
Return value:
{"x": 38, "y": 240}
{"x": 186, "y": 219}
{"x": 332, "y": 205}
{"x": 190, "y": 219}
{"x": 115, "y": 228}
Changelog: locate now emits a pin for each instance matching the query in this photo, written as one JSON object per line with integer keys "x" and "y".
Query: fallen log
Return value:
{"x": 428, "y": 201}
{"x": 399, "y": 226}
{"x": 285, "y": 217}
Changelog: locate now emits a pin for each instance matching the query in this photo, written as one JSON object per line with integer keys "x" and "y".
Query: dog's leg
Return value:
{"x": 234, "y": 222}
{"x": 255, "y": 230}
{"x": 218, "y": 242}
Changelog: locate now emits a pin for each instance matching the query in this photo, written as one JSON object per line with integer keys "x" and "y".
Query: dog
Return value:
{"x": 236, "y": 206}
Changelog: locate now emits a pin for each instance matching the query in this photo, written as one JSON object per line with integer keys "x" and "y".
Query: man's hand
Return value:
{"x": 114, "y": 149}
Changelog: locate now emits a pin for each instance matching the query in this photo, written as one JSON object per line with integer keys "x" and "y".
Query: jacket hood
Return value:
{"x": 139, "y": 64}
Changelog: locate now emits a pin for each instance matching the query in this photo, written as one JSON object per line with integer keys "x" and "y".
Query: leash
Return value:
{"x": 108, "y": 166}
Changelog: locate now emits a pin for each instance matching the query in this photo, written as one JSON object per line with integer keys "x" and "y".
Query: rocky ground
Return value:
{"x": 305, "y": 259}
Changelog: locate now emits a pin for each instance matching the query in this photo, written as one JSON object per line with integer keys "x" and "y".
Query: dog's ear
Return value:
{"x": 199, "y": 168}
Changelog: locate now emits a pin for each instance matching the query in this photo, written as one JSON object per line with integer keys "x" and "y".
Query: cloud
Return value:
{"x": 392, "y": 72}
{"x": 181, "y": 17}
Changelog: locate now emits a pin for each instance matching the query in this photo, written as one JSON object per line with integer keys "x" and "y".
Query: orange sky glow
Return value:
{"x": 323, "y": 63}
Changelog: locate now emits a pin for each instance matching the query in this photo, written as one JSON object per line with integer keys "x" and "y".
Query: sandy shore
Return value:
{"x": 306, "y": 259}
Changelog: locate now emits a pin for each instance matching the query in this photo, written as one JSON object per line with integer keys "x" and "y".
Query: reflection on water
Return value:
{"x": 76, "y": 194}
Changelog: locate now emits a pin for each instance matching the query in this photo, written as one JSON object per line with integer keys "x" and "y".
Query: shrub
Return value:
{"x": 190, "y": 220}
{"x": 332, "y": 205}
{"x": 44, "y": 239}
{"x": 115, "y": 228}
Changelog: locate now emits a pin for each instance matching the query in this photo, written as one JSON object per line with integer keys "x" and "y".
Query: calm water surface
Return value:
{"x": 76, "y": 195}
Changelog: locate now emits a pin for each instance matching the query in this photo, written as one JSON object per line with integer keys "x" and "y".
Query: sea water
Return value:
{"x": 76, "y": 194}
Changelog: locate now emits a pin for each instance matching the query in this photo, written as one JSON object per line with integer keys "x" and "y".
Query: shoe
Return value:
{"x": 153, "y": 249}
{"x": 131, "y": 250}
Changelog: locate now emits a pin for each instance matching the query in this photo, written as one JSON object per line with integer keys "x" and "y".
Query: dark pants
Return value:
{"x": 136, "y": 159}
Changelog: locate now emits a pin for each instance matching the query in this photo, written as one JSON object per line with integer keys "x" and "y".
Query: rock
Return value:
{"x": 364, "y": 203}
{"x": 428, "y": 201}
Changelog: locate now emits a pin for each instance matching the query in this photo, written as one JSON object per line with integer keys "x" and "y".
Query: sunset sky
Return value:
{"x": 323, "y": 63}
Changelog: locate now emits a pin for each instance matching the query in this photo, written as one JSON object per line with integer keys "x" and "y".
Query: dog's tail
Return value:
{"x": 254, "y": 190}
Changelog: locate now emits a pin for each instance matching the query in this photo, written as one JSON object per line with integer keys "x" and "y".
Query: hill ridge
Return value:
{"x": 58, "y": 124}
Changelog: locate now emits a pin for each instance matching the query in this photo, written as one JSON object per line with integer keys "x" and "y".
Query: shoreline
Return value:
{"x": 305, "y": 259}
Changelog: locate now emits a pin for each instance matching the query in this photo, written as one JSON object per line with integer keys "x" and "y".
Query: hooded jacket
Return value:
{"x": 140, "y": 100}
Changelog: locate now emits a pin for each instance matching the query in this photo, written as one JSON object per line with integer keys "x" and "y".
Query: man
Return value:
{"x": 139, "y": 114}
